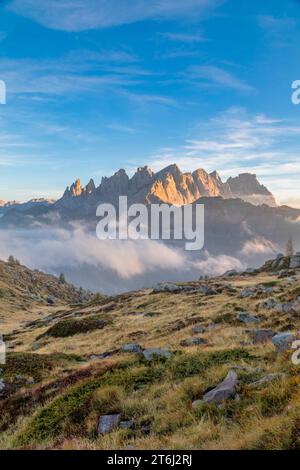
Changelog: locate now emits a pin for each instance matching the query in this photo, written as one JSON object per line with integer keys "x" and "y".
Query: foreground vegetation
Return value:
{"x": 68, "y": 365}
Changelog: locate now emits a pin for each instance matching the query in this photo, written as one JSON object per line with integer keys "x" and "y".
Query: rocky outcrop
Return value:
{"x": 170, "y": 185}
{"x": 247, "y": 187}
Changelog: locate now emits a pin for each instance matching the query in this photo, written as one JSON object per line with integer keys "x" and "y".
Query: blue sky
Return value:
{"x": 96, "y": 85}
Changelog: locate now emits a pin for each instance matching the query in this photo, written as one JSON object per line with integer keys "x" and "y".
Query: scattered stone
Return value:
{"x": 261, "y": 336}
{"x": 266, "y": 380}
{"x": 206, "y": 290}
{"x": 247, "y": 292}
{"x": 223, "y": 391}
{"x": 127, "y": 424}
{"x": 146, "y": 429}
{"x": 152, "y": 353}
{"x": 283, "y": 273}
{"x": 193, "y": 342}
{"x": 199, "y": 329}
{"x": 285, "y": 307}
{"x": 35, "y": 346}
{"x": 282, "y": 341}
{"x": 247, "y": 318}
{"x": 132, "y": 348}
{"x": 167, "y": 287}
{"x": 268, "y": 304}
{"x": 108, "y": 423}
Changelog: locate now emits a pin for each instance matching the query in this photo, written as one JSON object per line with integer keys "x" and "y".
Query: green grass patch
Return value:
{"x": 186, "y": 365}
{"x": 66, "y": 328}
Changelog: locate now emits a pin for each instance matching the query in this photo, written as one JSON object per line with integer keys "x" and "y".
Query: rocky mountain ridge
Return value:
{"x": 170, "y": 185}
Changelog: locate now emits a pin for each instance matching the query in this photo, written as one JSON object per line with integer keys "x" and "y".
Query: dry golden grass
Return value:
{"x": 161, "y": 394}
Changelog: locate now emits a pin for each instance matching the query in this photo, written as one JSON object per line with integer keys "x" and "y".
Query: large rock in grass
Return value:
{"x": 108, "y": 423}
{"x": 223, "y": 391}
{"x": 283, "y": 341}
{"x": 156, "y": 353}
{"x": 167, "y": 287}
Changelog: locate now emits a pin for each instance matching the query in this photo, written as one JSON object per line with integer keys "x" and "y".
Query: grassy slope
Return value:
{"x": 61, "y": 409}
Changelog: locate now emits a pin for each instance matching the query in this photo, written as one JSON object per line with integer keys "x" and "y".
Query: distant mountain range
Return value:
{"x": 243, "y": 225}
{"x": 237, "y": 211}
{"x": 170, "y": 186}
{"x": 24, "y": 206}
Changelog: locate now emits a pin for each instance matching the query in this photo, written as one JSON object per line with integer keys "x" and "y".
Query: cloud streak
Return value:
{"x": 216, "y": 76}
{"x": 81, "y": 15}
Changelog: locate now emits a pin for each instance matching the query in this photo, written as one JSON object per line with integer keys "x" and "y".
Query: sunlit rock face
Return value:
{"x": 170, "y": 185}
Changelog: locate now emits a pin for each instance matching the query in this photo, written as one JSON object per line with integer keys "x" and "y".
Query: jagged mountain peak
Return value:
{"x": 172, "y": 186}
{"x": 247, "y": 187}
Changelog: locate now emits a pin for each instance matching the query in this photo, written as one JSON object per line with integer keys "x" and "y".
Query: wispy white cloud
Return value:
{"x": 82, "y": 71}
{"x": 278, "y": 31}
{"x": 80, "y": 15}
{"x": 235, "y": 142}
{"x": 216, "y": 76}
{"x": 144, "y": 98}
{"x": 122, "y": 128}
{"x": 182, "y": 37}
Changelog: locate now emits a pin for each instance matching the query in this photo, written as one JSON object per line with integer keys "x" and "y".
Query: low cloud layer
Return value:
{"x": 114, "y": 266}
{"x": 110, "y": 265}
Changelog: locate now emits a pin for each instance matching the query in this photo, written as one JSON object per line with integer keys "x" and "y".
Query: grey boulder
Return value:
{"x": 223, "y": 391}
{"x": 153, "y": 353}
{"x": 245, "y": 317}
{"x": 199, "y": 329}
{"x": 283, "y": 341}
{"x": 108, "y": 423}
